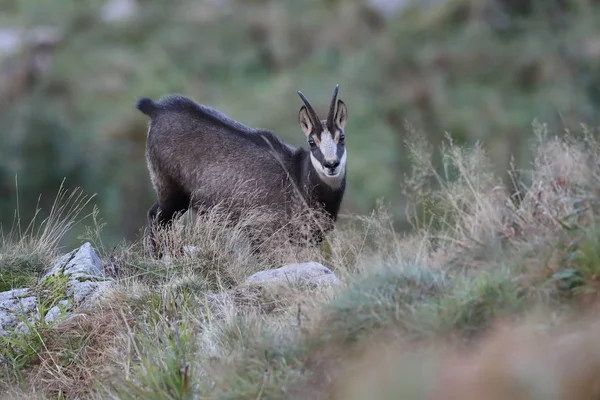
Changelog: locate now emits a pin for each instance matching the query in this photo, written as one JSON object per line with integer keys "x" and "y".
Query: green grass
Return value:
{"x": 410, "y": 306}
{"x": 15, "y": 280}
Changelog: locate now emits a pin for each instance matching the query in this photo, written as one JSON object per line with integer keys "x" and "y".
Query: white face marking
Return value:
{"x": 333, "y": 181}
{"x": 328, "y": 146}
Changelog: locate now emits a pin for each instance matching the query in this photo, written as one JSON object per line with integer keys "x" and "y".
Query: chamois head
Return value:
{"x": 326, "y": 138}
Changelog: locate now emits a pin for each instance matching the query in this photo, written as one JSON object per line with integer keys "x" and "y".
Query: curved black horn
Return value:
{"x": 331, "y": 114}
{"x": 311, "y": 111}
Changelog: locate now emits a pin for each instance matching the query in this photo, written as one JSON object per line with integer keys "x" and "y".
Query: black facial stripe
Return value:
{"x": 340, "y": 150}
{"x": 316, "y": 152}
{"x": 318, "y": 155}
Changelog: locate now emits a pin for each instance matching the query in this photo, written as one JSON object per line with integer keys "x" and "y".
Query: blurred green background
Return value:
{"x": 71, "y": 72}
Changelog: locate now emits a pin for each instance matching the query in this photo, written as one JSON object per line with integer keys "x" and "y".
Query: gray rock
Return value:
{"x": 15, "y": 305}
{"x": 52, "y": 314}
{"x": 87, "y": 293}
{"x": 55, "y": 312}
{"x": 255, "y": 290}
{"x": 86, "y": 282}
{"x": 87, "y": 279}
{"x": 79, "y": 263}
{"x": 303, "y": 273}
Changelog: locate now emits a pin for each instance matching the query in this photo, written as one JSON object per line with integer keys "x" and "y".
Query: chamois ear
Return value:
{"x": 341, "y": 115}
{"x": 304, "y": 120}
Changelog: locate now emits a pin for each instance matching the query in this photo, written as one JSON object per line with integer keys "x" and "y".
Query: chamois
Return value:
{"x": 198, "y": 157}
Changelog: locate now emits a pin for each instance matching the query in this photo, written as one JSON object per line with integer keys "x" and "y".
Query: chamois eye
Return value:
{"x": 311, "y": 142}
{"x": 342, "y": 137}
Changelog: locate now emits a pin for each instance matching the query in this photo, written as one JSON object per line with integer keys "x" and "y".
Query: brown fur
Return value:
{"x": 198, "y": 157}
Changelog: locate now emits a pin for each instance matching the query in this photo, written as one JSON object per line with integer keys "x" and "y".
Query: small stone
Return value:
{"x": 52, "y": 314}
{"x": 86, "y": 293}
{"x": 14, "y": 305}
{"x": 86, "y": 275}
{"x": 310, "y": 273}
{"x": 79, "y": 263}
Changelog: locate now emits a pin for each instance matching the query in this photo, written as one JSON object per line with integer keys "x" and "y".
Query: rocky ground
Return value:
{"x": 79, "y": 278}
{"x": 489, "y": 297}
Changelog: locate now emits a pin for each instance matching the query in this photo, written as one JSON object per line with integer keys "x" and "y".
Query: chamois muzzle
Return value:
{"x": 332, "y": 168}
{"x": 331, "y": 165}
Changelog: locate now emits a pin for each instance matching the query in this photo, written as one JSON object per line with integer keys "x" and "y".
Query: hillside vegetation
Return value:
{"x": 492, "y": 295}
{"x": 478, "y": 69}
{"x": 468, "y": 248}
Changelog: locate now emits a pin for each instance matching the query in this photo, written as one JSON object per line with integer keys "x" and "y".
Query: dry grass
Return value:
{"x": 26, "y": 249}
{"x": 75, "y": 353}
{"x": 464, "y": 306}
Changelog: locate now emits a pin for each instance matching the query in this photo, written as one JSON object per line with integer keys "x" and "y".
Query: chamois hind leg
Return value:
{"x": 161, "y": 215}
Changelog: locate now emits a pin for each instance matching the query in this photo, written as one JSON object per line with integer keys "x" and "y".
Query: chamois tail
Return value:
{"x": 147, "y": 106}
